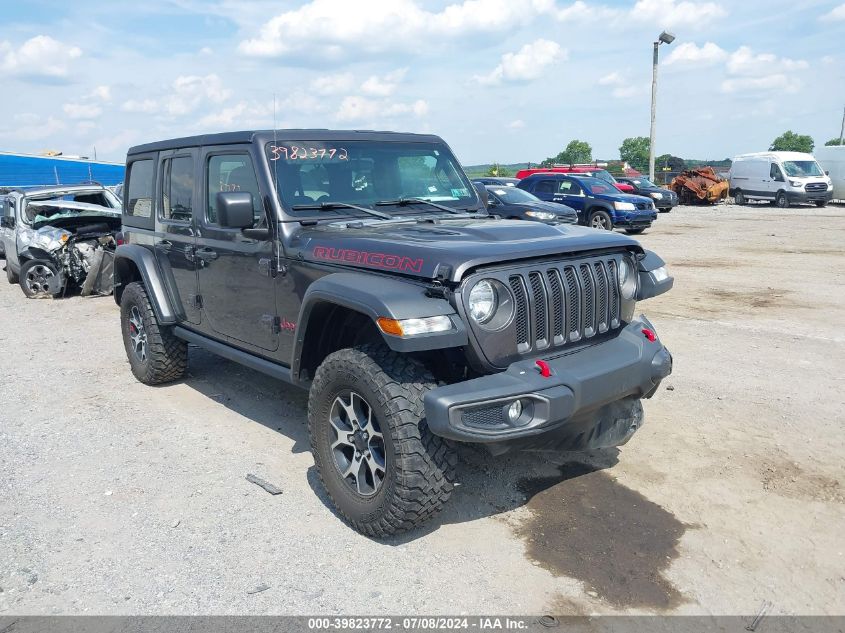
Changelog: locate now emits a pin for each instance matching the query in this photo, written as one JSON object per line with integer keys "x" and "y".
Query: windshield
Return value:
{"x": 802, "y": 168}
{"x": 643, "y": 183}
{"x": 73, "y": 203}
{"x": 512, "y": 195}
{"x": 596, "y": 185}
{"x": 43, "y": 212}
{"x": 603, "y": 174}
{"x": 364, "y": 173}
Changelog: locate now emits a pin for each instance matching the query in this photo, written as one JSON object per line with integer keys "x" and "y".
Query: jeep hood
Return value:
{"x": 448, "y": 248}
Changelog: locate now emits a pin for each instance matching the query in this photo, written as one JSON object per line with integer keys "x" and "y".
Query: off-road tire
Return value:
{"x": 420, "y": 466}
{"x": 635, "y": 231}
{"x": 166, "y": 355}
{"x": 781, "y": 201}
{"x": 12, "y": 277}
{"x": 739, "y": 198}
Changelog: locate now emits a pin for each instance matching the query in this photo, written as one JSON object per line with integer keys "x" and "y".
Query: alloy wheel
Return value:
{"x": 358, "y": 445}
{"x": 598, "y": 222}
{"x": 38, "y": 279}
{"x": 138, "y": 334}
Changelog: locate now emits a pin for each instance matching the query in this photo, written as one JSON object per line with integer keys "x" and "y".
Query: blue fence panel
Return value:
{"x": 20, "y": 171}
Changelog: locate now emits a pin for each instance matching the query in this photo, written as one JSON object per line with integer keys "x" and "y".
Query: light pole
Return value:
{"x": 665, "y": 38}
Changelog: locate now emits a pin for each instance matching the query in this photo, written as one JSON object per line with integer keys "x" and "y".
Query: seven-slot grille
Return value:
{"x": 565, "y": 302}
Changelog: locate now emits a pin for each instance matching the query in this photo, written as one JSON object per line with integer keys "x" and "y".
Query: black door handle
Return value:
{"x": 206, "y": 254}
{"x": 165, "y": 245}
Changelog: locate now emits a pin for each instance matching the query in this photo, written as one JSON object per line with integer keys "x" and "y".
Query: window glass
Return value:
{"x": 545, "y": 186}
{"x": 569, "y": 188}
{"x": 177, "y": 192}
{"x": 234, "y": 172}
{"x": 774, "y": 171}
{"x": 140, "y": 195}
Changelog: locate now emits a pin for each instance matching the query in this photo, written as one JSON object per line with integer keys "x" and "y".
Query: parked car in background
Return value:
{"x": 53, "y": 236}
{"x": 585, "y": 170}
{"x": 663, "y": 199}
{"x": 598, "y": 203}
{"x": 784, "y": 178}
{"x": 516, "y": 204}
{"x": 832, "y": 160}
{"x": 495, "y": 180}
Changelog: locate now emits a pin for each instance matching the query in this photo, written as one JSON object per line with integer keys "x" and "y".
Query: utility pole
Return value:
{"x": 842, "y": 129}
{"x": 664, "y": 38}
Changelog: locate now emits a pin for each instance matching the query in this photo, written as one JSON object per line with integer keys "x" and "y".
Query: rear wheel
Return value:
{"x": 382, "y": 467}
{"x": 739, "y": 197}
{"x": 39, "y": 278}
{"x": 601, "y": 220}
{"x": 155, "y": 354}
{"x": 781, "y": 200}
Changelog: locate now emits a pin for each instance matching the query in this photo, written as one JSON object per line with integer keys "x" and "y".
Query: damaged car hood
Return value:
{"x": 445, "y": 247}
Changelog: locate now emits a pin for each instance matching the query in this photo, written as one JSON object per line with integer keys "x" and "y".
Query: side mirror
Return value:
{"x": 482, "y": 194}
{"x": 234, "y": 209}
{"x": 827, "y": 172}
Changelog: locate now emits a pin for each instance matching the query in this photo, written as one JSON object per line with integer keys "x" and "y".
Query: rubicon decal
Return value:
{"x": 401, "y": 263}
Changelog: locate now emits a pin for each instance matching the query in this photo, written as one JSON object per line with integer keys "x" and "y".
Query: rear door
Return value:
{"x": 176, "y": 241}
{"x": 236, "y": 272}
{"x": 545, "y": 189}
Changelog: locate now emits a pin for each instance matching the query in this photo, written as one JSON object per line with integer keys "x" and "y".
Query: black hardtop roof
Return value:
{"x": 265, "y": 136}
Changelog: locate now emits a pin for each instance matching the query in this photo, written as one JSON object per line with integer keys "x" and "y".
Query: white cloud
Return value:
{"x": 383, "y": 86}
{"x": 517, "y": 124}
{"x": 744, "y": 62}
{"x": 32, "y": 127}
{"x": 185, "y": 95}
{"x": 836, "y": 13}
{"x": 117, "y": 144}
{"x": 357, "y": 108}
{"x": 242, "y": 114}
{"x": 622, "y": 88}
{"x": 334, "y": 28}
{"x": 206, "y": 50}
{"x": 690, "y": 54}
{"x": 673, "y": 14}
{"x": 765, "y": 83}
{"x": 528, "y": 63}
{"x": 103, "y": 93}
{"x": 82, "y": 110}
{"x": 332, "y": 84}
{"x": 40, "y": 56}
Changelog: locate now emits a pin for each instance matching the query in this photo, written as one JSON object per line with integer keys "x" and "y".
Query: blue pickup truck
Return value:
{"x": 598, "y": 203}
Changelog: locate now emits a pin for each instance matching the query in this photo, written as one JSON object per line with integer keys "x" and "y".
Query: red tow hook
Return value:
{"x": 545, "y": 370}
{"x": 651, "y": 336}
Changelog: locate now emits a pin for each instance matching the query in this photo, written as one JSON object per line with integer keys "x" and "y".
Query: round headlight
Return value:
{"x": 627, "y": 279}
{"x": 482, "y": 301}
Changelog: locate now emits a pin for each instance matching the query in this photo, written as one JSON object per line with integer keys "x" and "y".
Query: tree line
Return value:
{"x": 634, "y": 151}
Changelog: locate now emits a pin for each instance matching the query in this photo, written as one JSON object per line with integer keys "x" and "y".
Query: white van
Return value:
{"x": 783, "y": 177}
{"x": 832, "y": 160}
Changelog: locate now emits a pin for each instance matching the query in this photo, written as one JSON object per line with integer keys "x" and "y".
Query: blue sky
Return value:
{"x": 500, "y": 80}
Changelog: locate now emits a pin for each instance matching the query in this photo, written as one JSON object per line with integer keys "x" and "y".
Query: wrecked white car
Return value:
{"x": 61, "y": 240}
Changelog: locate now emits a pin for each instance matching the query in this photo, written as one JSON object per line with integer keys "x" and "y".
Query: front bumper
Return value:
{"x": 585, "y": 388}
{"x": 809, "y": 196}
{"x": 634, "y": 220}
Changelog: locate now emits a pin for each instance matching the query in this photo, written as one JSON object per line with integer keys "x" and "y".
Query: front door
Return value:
{"x": 236, "y": 272}
{"x": 776, "y": 180}
{"x": 175, "y": 242}
{"x": 572, "y": 195}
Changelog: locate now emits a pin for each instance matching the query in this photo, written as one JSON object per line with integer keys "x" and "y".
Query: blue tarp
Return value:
{"x": 20, "y": 170}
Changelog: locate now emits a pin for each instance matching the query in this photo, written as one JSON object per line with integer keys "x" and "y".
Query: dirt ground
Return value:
{"x": 117, "y": 498}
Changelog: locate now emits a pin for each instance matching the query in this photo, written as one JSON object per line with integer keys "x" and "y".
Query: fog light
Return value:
{"x": 514, "y": 411}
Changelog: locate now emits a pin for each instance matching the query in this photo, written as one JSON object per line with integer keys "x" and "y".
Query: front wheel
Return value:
{"x": 739, "y": 197}
{"x": 155, "y": 354}
{"x": 38, "y": 278}
{"x": 821, "y": 203}
{"x": 601, "y": 220}
{"x": 781, "y": 200}
{"x": 384, "y": 470}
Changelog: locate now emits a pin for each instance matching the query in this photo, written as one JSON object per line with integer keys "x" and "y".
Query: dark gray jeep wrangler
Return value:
{"x": 364, "y": 267}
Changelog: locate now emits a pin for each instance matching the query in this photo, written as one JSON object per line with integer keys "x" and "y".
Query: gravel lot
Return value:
{"x": 117, "y": 498}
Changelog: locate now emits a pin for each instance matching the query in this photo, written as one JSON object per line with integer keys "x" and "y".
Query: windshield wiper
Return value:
{"x": 342, "y": 205}
{"x": 401, "y": 202}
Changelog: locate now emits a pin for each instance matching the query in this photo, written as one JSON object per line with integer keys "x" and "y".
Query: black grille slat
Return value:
{"x": 601, "y": 296}
{"x": 541, "y": 321}
{"x": 557, "y": 306}
{"x": 613, "y": 276}
{"x": 589, "y": 306}
{"x": 521, "y": 316}
{"x": 573, "y": 302}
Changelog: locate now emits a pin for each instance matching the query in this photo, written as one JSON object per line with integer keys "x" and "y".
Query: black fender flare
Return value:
{"x": 144, "y": 261}
{"x": 33, "y": 252}
{"x": 380, "y": 296}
